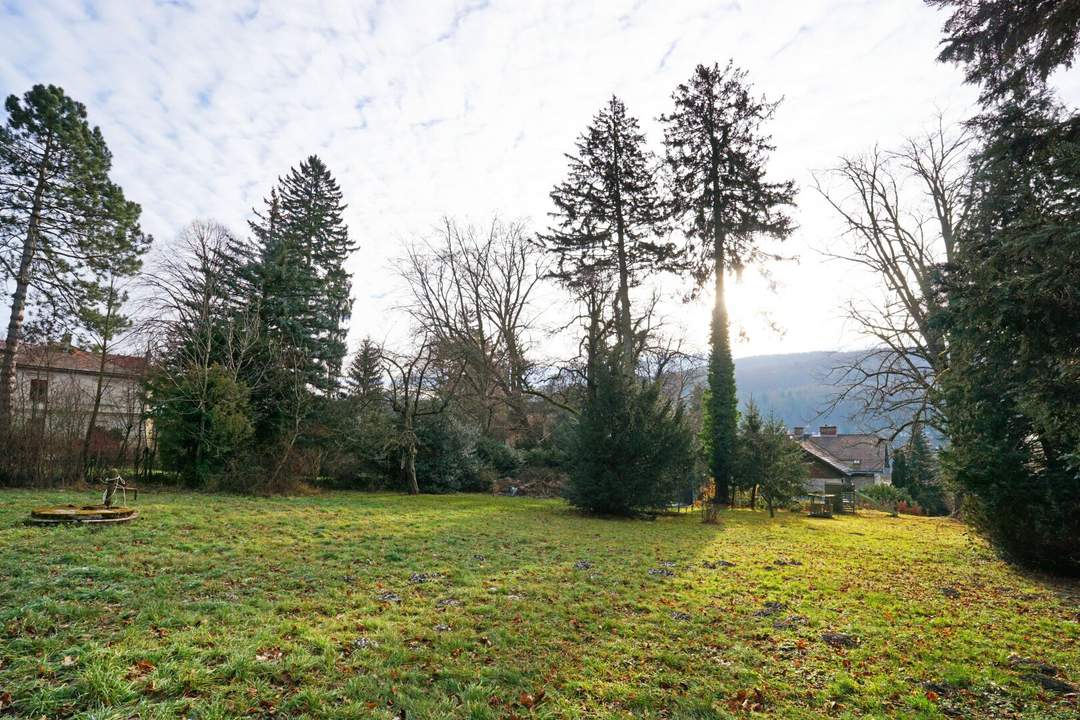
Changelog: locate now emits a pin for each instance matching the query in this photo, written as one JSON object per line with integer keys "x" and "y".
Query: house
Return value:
{"x": 836, "y": 460}
{"x": 55, "y": 387}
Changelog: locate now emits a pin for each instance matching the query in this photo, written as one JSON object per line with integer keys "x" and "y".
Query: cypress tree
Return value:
{"x": 718, "y": 151}
{"x": 609, "y": 215}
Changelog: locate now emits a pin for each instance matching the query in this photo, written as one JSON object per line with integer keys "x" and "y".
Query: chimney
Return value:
{"x": 827, "y": 430}
{"x": 799, "y": 431}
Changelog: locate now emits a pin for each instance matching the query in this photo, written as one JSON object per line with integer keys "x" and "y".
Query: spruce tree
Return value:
{"x": 610, "y": 215}
{"x": 62, "y": 221}
{"x": 364, "y": 380}
{"x": 718, "y": 153}
{"x": 303, "y": 243}
{"x": 631, "y": 449}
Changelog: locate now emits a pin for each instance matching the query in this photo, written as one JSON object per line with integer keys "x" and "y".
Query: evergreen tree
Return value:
{"x": 62, "y": 220}
{"x": 1013, "y": 392}
{"x": 1010, "y": 43}
{"x": 915, "y": 471}
{"x": 768, "y": 460}
{"x": 717, "y": 151}
{"x": 610, "y": 214}
{"x": 364, "y": 380}
{"x": 785, "y": 471}
{"x": 631, "y": 449}
{"x": 901, "y": 478}
{"x": 303, "y": 244}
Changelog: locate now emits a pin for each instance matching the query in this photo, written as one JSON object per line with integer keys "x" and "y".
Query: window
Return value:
{"x": 39, "y": 390}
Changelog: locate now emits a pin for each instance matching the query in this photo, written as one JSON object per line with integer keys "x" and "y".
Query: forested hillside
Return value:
{"x": 796, "y": 387}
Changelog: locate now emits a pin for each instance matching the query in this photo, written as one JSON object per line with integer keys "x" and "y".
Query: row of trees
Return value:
{"x": 970, "y": 231}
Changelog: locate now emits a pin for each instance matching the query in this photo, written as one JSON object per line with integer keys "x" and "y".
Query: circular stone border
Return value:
{"x": 81, "y": 514}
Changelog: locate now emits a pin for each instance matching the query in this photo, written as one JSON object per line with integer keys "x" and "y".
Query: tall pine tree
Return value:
{"x": 610, "y": 215}
{"x": 62, "y": 221}
{"x": 718, "y": 151}
{"x": 303, "y": 243}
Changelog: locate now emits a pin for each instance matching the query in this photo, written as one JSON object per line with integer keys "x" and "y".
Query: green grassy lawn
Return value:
{"x": 353, "y": 606}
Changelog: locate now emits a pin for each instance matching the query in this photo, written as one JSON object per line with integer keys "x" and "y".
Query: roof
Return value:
{"x": 64, "y": 357}
{"x": 850, "y": 454}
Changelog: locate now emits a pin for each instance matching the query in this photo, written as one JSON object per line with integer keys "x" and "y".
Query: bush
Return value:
{"x": 446, "y": 459}
{"x": 203, "y": 421}
{"x": 630, "y": 450}
{"x": 498, "y": 456}
{"x": 886, "y": 494}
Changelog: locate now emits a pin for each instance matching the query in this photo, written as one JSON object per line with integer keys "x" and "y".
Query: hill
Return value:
{"x": 796, "y": 387}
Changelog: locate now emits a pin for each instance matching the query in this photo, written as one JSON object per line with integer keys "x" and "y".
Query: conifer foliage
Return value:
{"x": 718, "y": 152}
{"x": 631, "y": 451}
{"x": 1012, "y": 396}
{"x": 64, "y": 225}
{"x": 609, "y": 214}
{"x": 364, "y": 380}
{"x": 303, "y": 243}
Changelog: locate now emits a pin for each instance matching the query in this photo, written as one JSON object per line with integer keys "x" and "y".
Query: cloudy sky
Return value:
{"x": 423, "y": 108}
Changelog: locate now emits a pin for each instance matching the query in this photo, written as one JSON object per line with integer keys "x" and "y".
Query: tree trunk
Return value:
{"x": 408, "y": 460}
{"x": 85, "y": 455}
{"x": 721, "y": 366}
{"x": 106, "y": 331}
{"x": 753, "y": 497}
{"x": 18, "y": 300}
{"x": 626, "y": 323}
{"x": 410, "y": 471}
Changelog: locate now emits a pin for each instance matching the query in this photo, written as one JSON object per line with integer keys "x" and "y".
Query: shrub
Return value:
{"x": 446, "y": 459}
{"x": 886, "y": 494}
{"x": 497, "y": 455}
{"x": 203, "y": 421}
{"x": 630, "y": 449}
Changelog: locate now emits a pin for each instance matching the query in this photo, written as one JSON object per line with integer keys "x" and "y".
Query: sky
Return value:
{"x": 426, "y": 108}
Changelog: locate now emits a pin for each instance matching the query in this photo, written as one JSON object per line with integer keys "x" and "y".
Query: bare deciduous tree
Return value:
{"x": 902, "y": 211}
{"x": 471, "y": 291}
{"x": 422, "y": 383}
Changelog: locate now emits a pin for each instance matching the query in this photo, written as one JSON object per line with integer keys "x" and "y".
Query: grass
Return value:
{"x": 225, "y": 607}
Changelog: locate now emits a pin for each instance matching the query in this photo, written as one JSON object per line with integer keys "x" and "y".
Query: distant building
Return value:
{"x": 55, "y": 385}
{"x": 837, "y": 460}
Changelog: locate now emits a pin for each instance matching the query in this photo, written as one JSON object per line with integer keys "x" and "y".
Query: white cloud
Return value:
{"x": 423, "y": 108}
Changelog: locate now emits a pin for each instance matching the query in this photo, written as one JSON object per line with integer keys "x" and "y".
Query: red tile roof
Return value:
{"x": 59, "y": 357}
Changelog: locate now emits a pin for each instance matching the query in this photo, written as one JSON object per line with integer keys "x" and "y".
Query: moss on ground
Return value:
{"x": 349, "y": 605}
